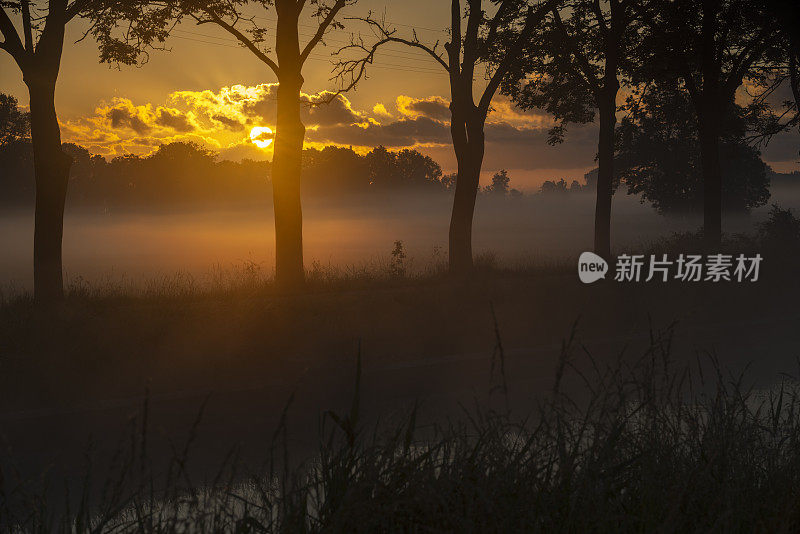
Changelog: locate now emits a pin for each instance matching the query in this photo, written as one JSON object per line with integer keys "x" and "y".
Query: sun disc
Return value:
{"x": 261, "y": 136}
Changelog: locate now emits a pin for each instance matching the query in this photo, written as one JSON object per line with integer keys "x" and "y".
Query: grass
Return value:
{"x": 643, "y": 445}
{"x": 633, "y": 445}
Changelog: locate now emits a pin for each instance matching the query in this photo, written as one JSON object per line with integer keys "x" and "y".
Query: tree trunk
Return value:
{"x": 286, "y": 168}
{"x": 709, "y": 116}
{"x": 605, "y": 176}
{"x": 51, "y": 167}
{"x": 468, "y": 142}
{"x": 288, "y": 152}
{"x": 712, "y": 177}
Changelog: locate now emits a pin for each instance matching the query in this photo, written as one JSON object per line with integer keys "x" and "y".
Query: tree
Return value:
{"x": 37, "y": 53}
{"x": 39, "y": 60}
{"x": 153, "y": 19}
{"x": 16, "y": 157}
{"x": 573, "y": 73}
{"x": 15, "y": 124}
{"x": 477, "y": 42}
{"x": 659, "y": 155}
{"x": 712, "y": 47}
{"x": 786, "y": 70}
{"x": 499, "y": 185}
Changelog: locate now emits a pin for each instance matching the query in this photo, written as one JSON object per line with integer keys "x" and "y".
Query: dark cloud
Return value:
{"x": 228, "y": 122}
{"x": 316, "y": 111}
{"x": 121, "y": 117}
{"x": 175, "y": 120}
{"x": 402, "y": 133}
{"x": 434, "y": 108}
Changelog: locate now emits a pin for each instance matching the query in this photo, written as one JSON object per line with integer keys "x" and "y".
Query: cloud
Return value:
{"x": 228, "y": 122}
{"x": 174, "y": 119}
{"x": 434, "y": 107}
{"x": 125, "y": 115}
{"x": 222, "y": 120}
{"x": 380, "y": 111}
{"x": 406, "y": 132}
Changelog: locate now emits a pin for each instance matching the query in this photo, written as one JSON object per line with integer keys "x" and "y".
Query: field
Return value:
{"x": 476, "y": 363}
{"x": 389, "y": 396}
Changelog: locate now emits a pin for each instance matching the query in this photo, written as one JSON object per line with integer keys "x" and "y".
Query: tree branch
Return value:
{"x": 76, "y": 8}
{"x": 25, "y": 7}
{"x": 388, "y": 36}
{"x": 583, "y": 67}
{"x": 533, "y": 19}
{"x": 601, "y": 21}
{"x": 454, "y": 46}
{"x": 242, "y": 38}
{"x": 494, "y": 24}
{"x": 323, "y": 27}
{"x": 470, "y": 44}
{"x": 11, "y": 41}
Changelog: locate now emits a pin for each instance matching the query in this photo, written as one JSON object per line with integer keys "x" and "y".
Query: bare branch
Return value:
{"x": 25, "y": 6}
{"x": 454, "y": 46}
{"x": 470, "y": 43}
{"x": 242, "y": 38}
{"x": 11, "y": 43}
{"x": 323, "y": 27}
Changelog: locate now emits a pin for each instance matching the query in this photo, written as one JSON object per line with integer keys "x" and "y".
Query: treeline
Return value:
{"x": 656, "y": 146}
{"x": 185, "y": 173}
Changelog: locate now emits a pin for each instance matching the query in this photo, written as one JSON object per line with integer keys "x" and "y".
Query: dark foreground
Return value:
{"x": 641, "y": 423}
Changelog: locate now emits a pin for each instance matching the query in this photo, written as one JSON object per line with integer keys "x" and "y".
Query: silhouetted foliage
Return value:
{"x": 185, "y": 174}
{"x": 499, "y": 185}
{"x": 15, "y": 124}
{"x": 477, "y": 38}
{"x": 574, "y": 71}
{"x": 708, "y": 49}
{"x": 780, "y": 230}
{"x": 659, "y": 155}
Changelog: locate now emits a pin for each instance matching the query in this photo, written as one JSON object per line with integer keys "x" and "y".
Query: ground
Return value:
{"x": 83, "y": 369}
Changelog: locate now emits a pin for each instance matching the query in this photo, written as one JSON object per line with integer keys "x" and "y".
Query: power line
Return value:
{"x": 385, "y": 66}
{"x": 389, "y": 22}
{"x": 421, "y": 56}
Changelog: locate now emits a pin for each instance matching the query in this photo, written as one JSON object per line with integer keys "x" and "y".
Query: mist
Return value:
{"x": 140, "y": 245}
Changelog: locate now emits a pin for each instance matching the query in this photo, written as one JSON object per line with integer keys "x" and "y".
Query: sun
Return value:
{"x": 262, "y": 136}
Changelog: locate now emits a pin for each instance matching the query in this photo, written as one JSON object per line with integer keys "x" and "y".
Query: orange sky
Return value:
{"x": 209, "y": 90}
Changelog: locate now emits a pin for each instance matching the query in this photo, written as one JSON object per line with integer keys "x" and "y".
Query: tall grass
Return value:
{"x": 642, "y": 445}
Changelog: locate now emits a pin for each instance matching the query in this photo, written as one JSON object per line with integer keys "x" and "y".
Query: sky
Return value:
{"x": 207, "y": 89}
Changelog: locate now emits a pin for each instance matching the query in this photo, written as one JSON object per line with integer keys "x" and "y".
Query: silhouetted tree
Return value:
{"x": 659, "y": 154}
{"x": 784, "y": 72}
{"x": 37, "y": 52}
{"x": 712, "y": 47}
{"x": 16, "y": 155}
{"x": 558, "y": 187}
{"x": 235, "y": 17}
{"x": 475, "y": 39}
{"x": 185, "y": 174}
{"x": 499, "y": 185}
{"x": 15, "y": 124}
{"x": 573, "y": 72}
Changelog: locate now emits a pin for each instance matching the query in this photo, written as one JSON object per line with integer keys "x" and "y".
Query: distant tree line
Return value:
{"x": 185, "y": 173}
{"x": 657, "y": 157}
